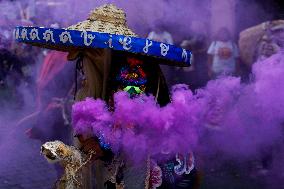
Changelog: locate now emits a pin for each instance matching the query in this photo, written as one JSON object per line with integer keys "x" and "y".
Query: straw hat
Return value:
{"x": 106, "y": 27}
{"x": 105, "y": 19}
{"x": 250, "y": 38}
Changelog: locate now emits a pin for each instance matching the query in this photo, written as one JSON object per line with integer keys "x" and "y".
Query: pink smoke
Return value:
{"x": 238, "y": 119}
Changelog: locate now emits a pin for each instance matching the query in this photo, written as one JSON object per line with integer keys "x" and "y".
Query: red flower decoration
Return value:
{"x": 134, "y": 62}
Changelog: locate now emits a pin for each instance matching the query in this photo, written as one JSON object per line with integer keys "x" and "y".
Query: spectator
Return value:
{"x": 195, "y": 75}
{"x": 161, "y": 35}
{"x": 223, "y": 55}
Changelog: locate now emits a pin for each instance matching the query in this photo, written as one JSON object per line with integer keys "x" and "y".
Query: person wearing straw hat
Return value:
{"x": 259, "y": 42}
{"x": 111, "y": 57}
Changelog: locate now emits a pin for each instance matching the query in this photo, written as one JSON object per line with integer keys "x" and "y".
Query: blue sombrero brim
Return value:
{"x": 66, "y": 40}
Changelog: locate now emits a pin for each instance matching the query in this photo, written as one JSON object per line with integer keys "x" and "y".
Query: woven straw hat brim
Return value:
{"x": 106, "y": 27}
{"x": 74, "y": 40}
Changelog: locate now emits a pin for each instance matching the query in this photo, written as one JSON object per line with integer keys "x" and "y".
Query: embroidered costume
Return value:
{"x": 111, "y": 58}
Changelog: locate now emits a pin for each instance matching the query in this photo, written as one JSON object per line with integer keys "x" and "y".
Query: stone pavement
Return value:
{"x": 21, "y": 165}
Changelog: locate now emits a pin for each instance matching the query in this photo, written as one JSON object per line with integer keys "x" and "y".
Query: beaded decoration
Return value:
{"x": 132, "y": 77}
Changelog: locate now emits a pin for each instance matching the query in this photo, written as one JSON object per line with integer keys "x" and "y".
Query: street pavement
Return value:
{"x": 21, "y": 165}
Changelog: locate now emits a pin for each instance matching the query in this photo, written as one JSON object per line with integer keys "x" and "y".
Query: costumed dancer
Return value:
{"x": 110, "y": 58}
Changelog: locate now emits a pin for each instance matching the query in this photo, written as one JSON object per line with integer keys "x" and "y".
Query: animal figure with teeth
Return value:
{"x": 70, "y": 158}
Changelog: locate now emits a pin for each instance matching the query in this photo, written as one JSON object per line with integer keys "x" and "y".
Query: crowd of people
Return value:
{"x": 16, "y": 72}
{"x": 29, "y": 78}
{"x": 24, "y": 68}
{"x": 219, "y": 54}
{"x": 214, "y": 54}
{"x": 210, "y": 60}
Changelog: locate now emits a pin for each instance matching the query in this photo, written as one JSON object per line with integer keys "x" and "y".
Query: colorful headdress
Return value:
{"x": 106, "y": 27}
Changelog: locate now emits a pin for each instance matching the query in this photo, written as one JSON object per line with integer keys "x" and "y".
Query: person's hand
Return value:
{"x": 91, "y": 146}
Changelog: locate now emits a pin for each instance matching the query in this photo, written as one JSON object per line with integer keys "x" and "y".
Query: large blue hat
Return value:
{"x": 105, "y": 28}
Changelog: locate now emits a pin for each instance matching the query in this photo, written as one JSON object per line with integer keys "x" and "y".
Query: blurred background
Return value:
{"x": 36, "y": 85}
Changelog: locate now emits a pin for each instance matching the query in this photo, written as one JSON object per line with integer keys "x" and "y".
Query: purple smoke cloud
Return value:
{"x": 240, "y": 120}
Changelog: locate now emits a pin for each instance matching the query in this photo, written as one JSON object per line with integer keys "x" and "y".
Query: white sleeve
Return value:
{"x": 150, "y": 35}
{"x": 212, "y": 48}
{"x": 169, "y": 38}
{"x": 170, "y": 41}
